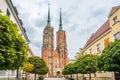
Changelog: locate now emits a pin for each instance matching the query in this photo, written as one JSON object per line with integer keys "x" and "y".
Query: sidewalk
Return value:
{"x": 8, "y": 79}
{"x": 54, "y": 79}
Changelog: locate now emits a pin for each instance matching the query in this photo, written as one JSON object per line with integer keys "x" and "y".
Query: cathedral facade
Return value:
{"x": 55, "y": 58}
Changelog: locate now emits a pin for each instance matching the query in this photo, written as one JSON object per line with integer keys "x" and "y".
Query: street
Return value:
{"x": 54, "y": 79}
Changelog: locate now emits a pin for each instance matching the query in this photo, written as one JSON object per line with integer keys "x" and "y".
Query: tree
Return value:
{"x": 39, "y": 64}
{"x": 64, "y": 71}
{"x": 27, "y": 67}
{"x": 75, "y": 68}
{"x": 87, "y": 64}
{"x": 44, "y": 70}
{"x": 13, "y": 48}
{"x": 69, "y": 69}
{"x": 109, "y": 60}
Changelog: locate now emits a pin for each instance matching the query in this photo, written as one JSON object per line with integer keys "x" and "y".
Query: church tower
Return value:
{"x": 48, "y": 44}
{"x": 55, "y": 59}
{"x": 61, "y": 45}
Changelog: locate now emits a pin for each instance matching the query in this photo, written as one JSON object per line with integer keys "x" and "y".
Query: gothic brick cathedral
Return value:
{"x": 58, "y": 58}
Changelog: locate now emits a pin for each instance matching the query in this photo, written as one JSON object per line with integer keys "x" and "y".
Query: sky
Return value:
{"x": 80, "y": 19}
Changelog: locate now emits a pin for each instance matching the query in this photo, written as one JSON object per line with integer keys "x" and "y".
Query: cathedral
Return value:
{"x": 55, "y": 58}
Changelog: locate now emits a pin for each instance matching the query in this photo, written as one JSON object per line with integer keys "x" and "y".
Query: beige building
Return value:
{"x": 71, "y": 61}
{"x": 107, "y": 33}
{"x": 7, "y": 8}
{"x": 78, "y": 54}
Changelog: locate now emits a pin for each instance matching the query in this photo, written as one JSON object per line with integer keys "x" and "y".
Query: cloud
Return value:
{"x": 81, "y": 18}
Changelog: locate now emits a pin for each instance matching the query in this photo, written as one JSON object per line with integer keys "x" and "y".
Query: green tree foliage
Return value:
{"x": 109, "y": 60}
{"x": 27, "y": 67}
{"x": 13, "y": 48}
{"x": 69, "y": 69}
{"x": 87, "y": 64}
{"x": 64, "y": 71}
{"x": 39, "y": 64}
{"x": 44, "y": 70}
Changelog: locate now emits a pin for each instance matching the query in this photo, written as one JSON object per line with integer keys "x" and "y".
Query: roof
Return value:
{"x": 114, "y": 9}
{"x": 30, "y": 51}
{"x": 15, "y": 14}
{"x": 105, "y": 27}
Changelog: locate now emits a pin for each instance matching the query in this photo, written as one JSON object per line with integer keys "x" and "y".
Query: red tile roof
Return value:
{"x": 98, "y": 33}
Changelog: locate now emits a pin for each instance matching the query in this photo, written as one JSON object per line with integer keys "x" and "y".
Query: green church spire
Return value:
{"x": 60, "y": 24}
{"x": 48, "y": 21}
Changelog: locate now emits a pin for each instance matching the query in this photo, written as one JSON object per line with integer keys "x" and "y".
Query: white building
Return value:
{"x": 10, "y": 10}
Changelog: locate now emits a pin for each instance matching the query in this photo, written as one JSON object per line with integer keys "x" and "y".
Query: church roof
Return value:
{"x": 105, "y": 27}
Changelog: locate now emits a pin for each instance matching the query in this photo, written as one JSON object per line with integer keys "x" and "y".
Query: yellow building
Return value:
{"x": 78, "y": 54}
{"x": 108, "y": 32}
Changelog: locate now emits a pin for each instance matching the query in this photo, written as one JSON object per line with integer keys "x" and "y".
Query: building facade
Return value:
{"x": 55, "y": 59}
{"x": 7, "y": 8}
{"x": 97, "y": 42}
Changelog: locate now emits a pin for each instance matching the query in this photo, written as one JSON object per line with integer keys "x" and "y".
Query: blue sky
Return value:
{"x": 81, "y": 18}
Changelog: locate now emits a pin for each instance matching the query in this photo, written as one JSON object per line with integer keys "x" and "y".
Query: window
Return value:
{"x": 49, "y": 67}
{"x": 91, "y": 51}
{"x": 98, "y": 48}
{"x": 62, "y": 55}
{"x": 56, "y": 63}
{"x": 8, "y": 13}
{"x": 49, "y": 47}
{"x": 49, "y": 61}
{"x": 117, "y": 35}
{"x": 115, "y": 20}
{"x": 62, "y": 62}
{"x": 49, "y": 55}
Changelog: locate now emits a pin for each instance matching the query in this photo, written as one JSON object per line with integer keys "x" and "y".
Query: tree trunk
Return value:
{"x": 115, "y": 75}
{"x": 77, "y": 76}
{"x": 17, "y": 74}
{"x": 90, "y": 76}
{"x": 83, "y": 77}
{"x": 71, "y": 76}
{"x": 25, "y": 75}
{"x": 35, "y": 76}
